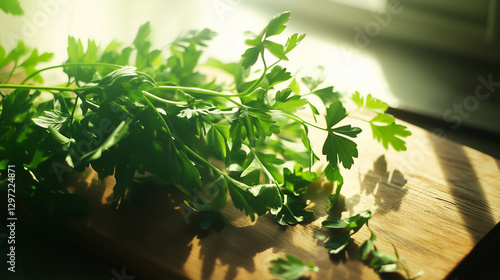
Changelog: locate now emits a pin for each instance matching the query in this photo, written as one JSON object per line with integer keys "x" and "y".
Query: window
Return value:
{"x": 464, "y": 27}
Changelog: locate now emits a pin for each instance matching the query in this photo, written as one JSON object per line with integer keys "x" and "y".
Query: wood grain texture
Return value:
{"x": 436, "y": 201}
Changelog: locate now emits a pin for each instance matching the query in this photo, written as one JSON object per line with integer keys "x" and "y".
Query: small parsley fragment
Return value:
{"x": 291, "y": 267}
{"x": 351, "y": 225}
{"x": 379, "y": 261}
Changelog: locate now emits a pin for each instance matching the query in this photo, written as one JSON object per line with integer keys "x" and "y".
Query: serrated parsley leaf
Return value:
{"x": 30, "y": 63}
{"x": 267, "y": 163}
{"x": 335, "y": 113}
{"x": 11, "y": 7}
{"x": 340, "y": 149}
{"x": 313, "y": 81}
{"x": 250, "y": 56}
{"x": 277, "y": 24}
{"x": 118, "y": 133}
{"x": 327, "y": 95}
{"x": 298, "y": 181}
{"x": 337, "y": 148}
{"x": 369, "y": 102}
{"x": 267, "y": 197}
{"x": 353, "y": 223}
{"x": 338, "y": 243}
{"x": 291, "y": 267}
{"x": 277, "y": 75}
{"x": 54, "y": 118}
{"x": 276, "y": 49}
{"x": 386, "y": 131}
{"x": 288, "y": 103}
{"x": 348, "y": 130}
{"x": 241, "y": 196}
{"x": 293, "y": 211}
{"x": 217, "y": 137}
{"x": 293, "y": 41}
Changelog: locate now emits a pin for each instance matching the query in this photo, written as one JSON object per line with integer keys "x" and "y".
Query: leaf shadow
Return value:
{"x": 238, "y": 244}
{"x": 387, "y": 187}
{"x": 147, "y": 223}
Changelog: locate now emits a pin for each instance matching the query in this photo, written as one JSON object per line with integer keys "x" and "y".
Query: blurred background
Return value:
{"x": 436, "y": 62}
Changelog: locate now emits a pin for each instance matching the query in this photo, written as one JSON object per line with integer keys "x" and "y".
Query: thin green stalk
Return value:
{"x": 202, "y": 91}
{"x": 12, "y": 72}
{"x": 357, "y": 118}
{"x": 70, "y": 121}
{"x": 45, "y": 88}
{"x": 164, "y": 100}
{"x": 109, "y": 65}
{"x": 298, "y": 119}
{"x": 195, "y": 90}
{"x": 252, "y": 87}
{"x": 193, "y": 153}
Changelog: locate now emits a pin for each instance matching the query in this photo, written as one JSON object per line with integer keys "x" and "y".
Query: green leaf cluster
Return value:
{"x": 133, "y": 109}
{"x": 351, "y": 225}
{"x": 291, "y": 267}
{"x": 21, "y": 58}
{"x": 261, "y": 42}
{"x": 379, "y": 261}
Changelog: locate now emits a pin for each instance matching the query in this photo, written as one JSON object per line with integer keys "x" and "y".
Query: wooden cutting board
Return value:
{"x": 436, "y": 201}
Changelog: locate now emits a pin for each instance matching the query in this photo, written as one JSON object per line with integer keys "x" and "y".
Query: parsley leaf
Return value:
{"x": 291, "y": 267}
{"x": 293, "y": 41}
{"x": 369, "y": 102}
{"x": 338, "y": 242}
{"x": 338, "y": 148}
{"x": 277, "y": 24}
{"x": 293, "y": 211}
{"x": 386, "y": 131}
{"x": 384, "y": 127}
{"x": 54, "y": 118}
{"x": 298, "y": 181}
{"x": 250, "y": 56}
{"x": 353, "y": 223}
{"x": 11, "y": 7}
{"x": 288, "y": 103}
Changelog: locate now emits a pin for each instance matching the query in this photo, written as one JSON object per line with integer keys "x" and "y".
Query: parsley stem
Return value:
{"x": 164, "y": 100}
{"x": 252, "y": 87}
{"x": 185, "y": 147}
{"x": 357, "y": 118}
{"x": 12, "y": 72}
{"x": 298, "y": 119}
{"x": 196, "y": 90}
{"x": 46, "y": 88}
{"x": 108, "y": 65}
{"x": 71, "y": 117}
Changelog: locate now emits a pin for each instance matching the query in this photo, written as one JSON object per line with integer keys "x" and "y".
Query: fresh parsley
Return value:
{"x": 138, "y": 110}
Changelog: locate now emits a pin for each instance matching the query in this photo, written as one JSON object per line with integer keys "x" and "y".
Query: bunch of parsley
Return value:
{"x": 164, "y": 118}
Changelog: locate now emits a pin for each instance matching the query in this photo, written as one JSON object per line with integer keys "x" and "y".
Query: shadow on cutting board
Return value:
{"x": 385, "y": 186}
{"x": 463, "y": 182}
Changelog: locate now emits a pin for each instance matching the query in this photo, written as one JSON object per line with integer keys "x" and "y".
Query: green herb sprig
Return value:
{"x": 163, "y": 117}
